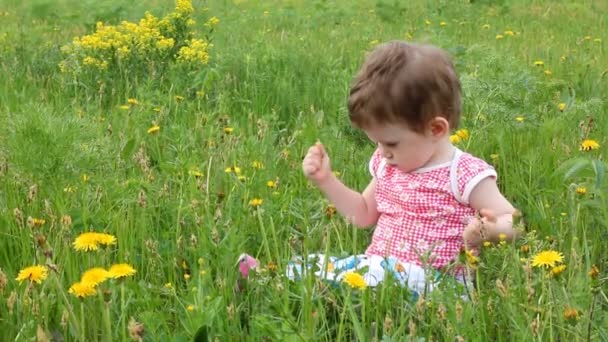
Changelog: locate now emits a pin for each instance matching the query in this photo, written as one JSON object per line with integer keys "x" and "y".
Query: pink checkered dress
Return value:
{"x": 423, "y": 213}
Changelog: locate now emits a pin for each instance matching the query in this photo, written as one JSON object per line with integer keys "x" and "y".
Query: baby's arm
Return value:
{"x": 496, "y": 215}
{"x": 359, "y": 209}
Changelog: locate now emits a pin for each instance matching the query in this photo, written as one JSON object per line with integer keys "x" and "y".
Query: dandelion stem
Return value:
{"x": 122, "y": 310}
{"x": 82, "y": 330}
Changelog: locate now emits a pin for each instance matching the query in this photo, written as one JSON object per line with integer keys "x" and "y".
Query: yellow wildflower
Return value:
{"x": 589, "y": 144}
{"x": 85, "y": 178}
{"x": 463, "y": 133}
{"x": 179, "y": 98}
{"x": 539, "y": 63}
{"x": 271, "y": 184}
{"x": 519, "y": 118}
{"x": 212, "y": 22}
{"x": 594, "y": 272}
{"x": 132, "y": 101}
{"x": 195, "y": 173}
{"x": 354, "y": 280}
{"x": 548, "y": 72}
{"x": 443, "y": 23}
{"x": 557, "y": 270}
{"x": 154, "y": 129}
{"x": 124, "y": 107}
{"x": 228, "y": 130}
{"x": 95, "y": 276}
{"x": 427, "y": 22}
{"x": 190, "y": 307}
{"x": 509, "y": 33}
{"x": 581, "y": 190}
{"x": 455, "y": 139}
{"x": 571, "y": 314}
{"x": 256, "y": 202}
{"x": 90, "y": 241}
{"x": 561, "y": 107}
{"x": 472, "y": 259}
{"x": 121, "y": 270}
{"x": 81, "y": 289}
{"x": 257, "y": 165}
{"x": 502, "y": 236}
{"x": 234, "y": 169}
{"x": 499, "y": 36}
{"x": 487, "y": 244}
{"x": 485, "y": 26}
{"x": 547, "y": 259}
{"x": 35, "y": 274}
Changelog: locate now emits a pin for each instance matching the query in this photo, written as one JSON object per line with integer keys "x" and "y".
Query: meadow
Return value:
{"x": 141, "y": 154}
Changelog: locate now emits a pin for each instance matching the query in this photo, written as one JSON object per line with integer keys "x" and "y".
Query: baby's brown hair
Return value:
{"x": 407, "y": 83}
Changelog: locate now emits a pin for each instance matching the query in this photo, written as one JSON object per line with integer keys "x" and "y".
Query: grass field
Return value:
{"x": 189, "y": 155}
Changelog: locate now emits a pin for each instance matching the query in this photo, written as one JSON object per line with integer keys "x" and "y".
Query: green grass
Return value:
{"x": 280, "y": 79}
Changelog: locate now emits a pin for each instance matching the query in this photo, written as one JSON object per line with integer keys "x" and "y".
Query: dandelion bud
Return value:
{"x": 3, "y": 281}
{"x": 18, "y": 216}
{"x": 10, "y": 302}
{"x": 66, "y": 221}
{"x": 40, "y": 240}
{"x": 31, "y": 194}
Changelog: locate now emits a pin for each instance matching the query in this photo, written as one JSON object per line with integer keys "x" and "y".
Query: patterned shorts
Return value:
{"x": 373, "y": 269}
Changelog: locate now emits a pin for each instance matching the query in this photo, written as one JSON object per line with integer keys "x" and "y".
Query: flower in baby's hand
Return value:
{"x": 547, "y": 259}
{"x": 35, "y": 274}
{"x": 354, "y": 280}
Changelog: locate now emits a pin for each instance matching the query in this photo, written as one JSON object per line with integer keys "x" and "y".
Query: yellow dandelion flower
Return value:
{"x": 499, "y": 36}
{"x": 472, "y": 259}
{"x": 589, "y": 144}
{"x": 168, "y": 286}
{"x": 485, "y": 26}
{"x": 487, "y": 244}
{"x": 35, "y": 274}
{"x": 190, "y": 307}
{"x": 463, "y": 133}
{"x": 121, "y": 270}
{"x": 95, "y": 276}
{"x": 132, "y": 101}
{"x": 241, "y": 178}
{"x": 509, "y": 33}
{"x": 265, "y": 13}
{"x": 106, "y": 239}
{"x": 232, "y": 169}
{"x": 85, "y": 178}
{"x": 354, "y": 280}
{"x": 455, "y": 139}
{"x": 581, "y": 190}
{"x": 81, "y": 289}
{"x": 337, "y": 173}
{"x": 186, "y": 276}
{"x": 597, "y": 40}
{"x": 179, "y": 98}
{"x": 195, "y": 173}
{"x": 86, "y": 242}
{"x": 228, "y": 130}
{"x": 561, "y": 107}
{"x": 594, "y": 272}
{"x": 539, "y": 63}
{"x": 547, "y": 259}
{"x": 125, "y": 107}
{"x": 271, "y": 184}
{"x": 443, "y": 23}
{"x": 548, "y": 72}
{"x": 257, "y": 165}
{"x": 256, "y": 202}
{"x": 557, "y": 270}
{"x": 519, "y": 118}
{"x": 571, "y": 314}
{"x": 213, "y": 21}
{"x": 587, "y": 38}
{"x": 427, "y": 22}
{"x": 153, "y": 129}
{"x": 502, "y": 236}
{"x": 494, "y": 157}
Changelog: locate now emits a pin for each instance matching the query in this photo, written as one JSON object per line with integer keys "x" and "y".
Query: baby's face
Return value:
{"x": 402, "y": 147}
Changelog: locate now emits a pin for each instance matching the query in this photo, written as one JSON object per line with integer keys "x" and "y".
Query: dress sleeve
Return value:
{"x": 470, "y": 172}
{"x": 374, "y": 163}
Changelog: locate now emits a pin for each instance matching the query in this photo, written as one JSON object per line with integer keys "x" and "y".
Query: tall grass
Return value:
{"x": 278, "y": 77}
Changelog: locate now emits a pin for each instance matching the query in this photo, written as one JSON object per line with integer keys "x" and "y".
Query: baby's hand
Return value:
{"x": 316, "y": 164}
{"x": 475, "y": 233}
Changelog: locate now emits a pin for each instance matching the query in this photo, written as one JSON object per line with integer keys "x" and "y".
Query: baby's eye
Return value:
{"x": 391, "y": 144}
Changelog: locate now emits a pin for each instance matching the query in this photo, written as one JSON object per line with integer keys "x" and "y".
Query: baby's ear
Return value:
{"x": 439, "y": 126}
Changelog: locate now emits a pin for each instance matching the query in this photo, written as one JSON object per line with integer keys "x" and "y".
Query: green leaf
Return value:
{"x": 600, "y": 169}
{"x": 127, "y": 150}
